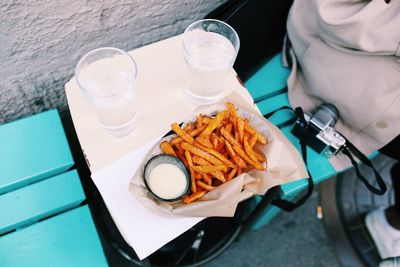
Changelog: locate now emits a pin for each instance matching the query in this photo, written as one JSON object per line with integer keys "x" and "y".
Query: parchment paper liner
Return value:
{"x": 284, "y": 165}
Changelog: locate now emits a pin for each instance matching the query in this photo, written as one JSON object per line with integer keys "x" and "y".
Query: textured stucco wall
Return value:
{"x": 42, "y": 40}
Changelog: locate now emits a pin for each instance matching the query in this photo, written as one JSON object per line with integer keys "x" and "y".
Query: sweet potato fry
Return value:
{"x": 214, "y": 140}
{"x": 197, "y": 131}
{"x": 206, "y": 178}
{"x": 176, "y": 140}
{"x": 194, "y": 196}
{"x": 193, "y": 187}
{"x": 204, "y": 186}
{"x": 221, "y": 145}
{"x": 239, "y": 172}
{"x": 198, "y": 175}
{"x": 210, "y": 168}
{"x": 167, "y": 148}
{"x": 189, "y": 158}
{"x": 238, "y": 160}
{"x": 225, "y": 153}
{"x": 215, "y": 154}
{"x": 220, "y": 157}
{"x": 249, "y": 129}
{"x": 198, "y": 145}
{"x": 213, "y": 124}
{"x": 206, "y": 119}
{"x": 189, "y": 127}
{"x": 181, "y": 156}
{"x": 259, "y": 155}
{"x": 204, "y": 142}
{"x": 200, "y": 161}
{"x": 219, "y": 175}
{"x": 229, "y": 137}
{"x": 179, "y": 149}
{"x": 220, "y": 148}
{"x": 249, "y": 150}
{"x": 235, "y": 128}
{"x": 229, "y": 148}
{"x": 232, "y": 110}
{"x": 237, "y": 137}
{"x": 261, "y": 139}
{"x": 240, "y": 126}
{"x": 199, "y": 121}
{"x": 223, "y": 123}
{"x": 201, "y": 153}
{"x": 253, "y": 140}
{"x": 228, "y": 127}
{"x": 244, "y": 156}
{"x": 179, "y": 131}
{"x": 231, "y": 174}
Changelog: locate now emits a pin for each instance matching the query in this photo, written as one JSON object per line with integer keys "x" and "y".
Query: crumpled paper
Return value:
{"x": 284, "y": 165}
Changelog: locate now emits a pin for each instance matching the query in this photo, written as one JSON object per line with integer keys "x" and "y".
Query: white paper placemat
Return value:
{"x": 142, "y": 229}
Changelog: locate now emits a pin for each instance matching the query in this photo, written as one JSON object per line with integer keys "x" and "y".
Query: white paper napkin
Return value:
{"x": 142, "y": 229}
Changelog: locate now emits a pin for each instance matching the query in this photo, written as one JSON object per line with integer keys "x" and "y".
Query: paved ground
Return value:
{"x": 294, "y": 239}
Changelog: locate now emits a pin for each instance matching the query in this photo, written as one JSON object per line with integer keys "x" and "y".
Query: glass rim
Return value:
{"x": 213, "y": 20}
{"x": 91, "y": 52}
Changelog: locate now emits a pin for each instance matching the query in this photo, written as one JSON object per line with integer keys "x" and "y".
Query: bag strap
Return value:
{"x": 349, "y": 150}
{"x": 282, "y": 203}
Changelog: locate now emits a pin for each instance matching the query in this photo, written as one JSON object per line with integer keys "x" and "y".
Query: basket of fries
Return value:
{"x": 230, "y": 155}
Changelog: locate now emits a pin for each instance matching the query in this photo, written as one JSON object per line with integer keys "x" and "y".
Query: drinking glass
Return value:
{"x": 106, "y": 77}
{"x": 210, "y": 48}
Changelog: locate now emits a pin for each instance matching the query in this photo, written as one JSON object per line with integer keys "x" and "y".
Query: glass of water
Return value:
{"x": 210, "y": 48}
{"x": 106, "y": 77}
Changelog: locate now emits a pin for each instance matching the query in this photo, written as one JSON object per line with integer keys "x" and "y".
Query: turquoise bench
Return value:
{"x": 44, "y": 219}
{"x": 268, "y": 88}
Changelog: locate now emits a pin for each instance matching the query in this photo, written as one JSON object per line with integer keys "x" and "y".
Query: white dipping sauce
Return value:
{"x": 167, "y": 181}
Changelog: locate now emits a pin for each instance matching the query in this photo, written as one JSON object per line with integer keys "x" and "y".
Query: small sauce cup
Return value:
{"x": 154, "y": 178}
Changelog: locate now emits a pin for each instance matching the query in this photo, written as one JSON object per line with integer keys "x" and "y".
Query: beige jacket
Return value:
{"x": 347, "y": 52}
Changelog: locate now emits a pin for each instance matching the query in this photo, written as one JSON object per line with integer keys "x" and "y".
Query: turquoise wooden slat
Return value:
{"x": 271, "y": 104}
{"x": 40, "y": 200}
{"x": 69, "y": 239}
{"x": 282, "y": 118}
{"x": 31, "y": 149}
{"x": 269, "y": 213}
{"x": 269, "y": 80}
{"x": 265, "y": 218}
